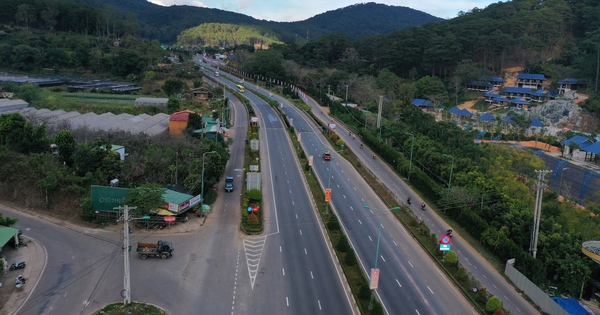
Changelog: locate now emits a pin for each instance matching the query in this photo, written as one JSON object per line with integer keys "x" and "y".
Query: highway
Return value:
{"x": 410, "y": 283}
{"x": 296, "y": 272}
{"x": 468, "y": 256}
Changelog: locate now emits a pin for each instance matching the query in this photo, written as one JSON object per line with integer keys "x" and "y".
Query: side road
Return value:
{"x": 34, "y": 254}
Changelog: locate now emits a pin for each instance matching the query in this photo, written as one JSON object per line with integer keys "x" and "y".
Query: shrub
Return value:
{"x": 365, "y": 291}
{"x": 333, "y": 224}
{"x": 377, "y": 309}
{"x": 451, "y": 258}
{"x": 499, "y": 312}
{"x": 482, "y": 296}
{"x": 462, "y": 274}
{"x": 493, "y": 304}
{"x": 252, "y": 219}
{"x": 343, "y": 245}
{"x": 350, "y": 258}
{"x": 254, "y": 194}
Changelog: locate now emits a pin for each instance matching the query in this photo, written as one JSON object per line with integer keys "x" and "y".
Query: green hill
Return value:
{"x": 227, "y": 35}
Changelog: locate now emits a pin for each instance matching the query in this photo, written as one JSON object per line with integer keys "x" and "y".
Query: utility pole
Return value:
{"x": 537, "y": 213}
{"x": 126, "y": 293}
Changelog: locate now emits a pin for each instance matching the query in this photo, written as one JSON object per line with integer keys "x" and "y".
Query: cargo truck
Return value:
{"x": 162, "y": 249}
{"x": 229, "y": 183}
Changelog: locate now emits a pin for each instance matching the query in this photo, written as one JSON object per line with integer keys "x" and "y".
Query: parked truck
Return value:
{"x": 162, "y": 249}
{"x": 229, "y": 183}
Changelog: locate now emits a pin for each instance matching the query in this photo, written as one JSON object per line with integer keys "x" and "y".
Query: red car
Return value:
{"x": 326, "y": 156}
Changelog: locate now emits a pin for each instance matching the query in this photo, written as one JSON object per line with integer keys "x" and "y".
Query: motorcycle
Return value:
{"x": 373, "y": 156}
{"x": 361, "y": 146}
{"x": 408, "y": 201}
{"x": 17, "y": 265}
{"x": 19, "y": 282}
{"x": 423, "y": 206}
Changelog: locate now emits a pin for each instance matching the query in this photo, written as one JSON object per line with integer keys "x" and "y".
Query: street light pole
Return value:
{"x": 377, "y": 248}
{"x": 451, "y": 169}
{"x": 411, "y": 152}
{"x": 202, "y": 192}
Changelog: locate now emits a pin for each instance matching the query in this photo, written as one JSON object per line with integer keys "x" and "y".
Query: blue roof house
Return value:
{"x": 531, "y": 81}
{"x": 421, "y": 103}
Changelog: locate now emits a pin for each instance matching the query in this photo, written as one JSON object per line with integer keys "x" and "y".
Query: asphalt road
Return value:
{"x": 468, "y": 256}
{"x": 408, "y": 285}
{"x": 295, "y": 271}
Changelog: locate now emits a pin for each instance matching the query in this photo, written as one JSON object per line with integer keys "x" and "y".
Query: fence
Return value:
{"x": 539, "y": 297}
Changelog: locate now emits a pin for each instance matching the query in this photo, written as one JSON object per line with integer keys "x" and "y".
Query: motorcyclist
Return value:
{"x": 373, "y": 156}
{"x": 423, "y": 206}
{"x": 408, "y": 200}
{"x": 361, "y": 146}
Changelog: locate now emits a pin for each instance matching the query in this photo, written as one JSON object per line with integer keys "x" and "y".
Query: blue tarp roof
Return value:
{"x": 593, "y": 148}
{"x": 568, "y": 81}
{"x": 577, "y": 139}
{"x": 520, "y": 101}
{"x": 480, "y": 83}
{"x": 487, "y": 117}
{"x": 513, "y": 89}
{"x": 531, "y": 76}
{"x": 536, "y": 123}
{"x": 420, "y": 102}
{"x": 501, "y": 99}
{"x": 508, "y": 119}
{"x": 455, "y": 110}
{"x": 490, "y": 93}
{"x": 465, "y": 112}
{"x": 570, "y": 305}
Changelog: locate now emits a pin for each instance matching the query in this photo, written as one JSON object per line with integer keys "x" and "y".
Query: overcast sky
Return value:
{"x": 298, "y": 10}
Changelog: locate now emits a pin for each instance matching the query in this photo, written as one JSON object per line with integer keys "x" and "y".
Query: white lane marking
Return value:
{"x": 300, "y": 232}
{"x": 359, "y": 222}
{"x": 398, "y": 282}
{"x": 410, "y": 264}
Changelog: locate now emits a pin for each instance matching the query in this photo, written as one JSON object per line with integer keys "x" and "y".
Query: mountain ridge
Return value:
{"x": 166, "y": 23}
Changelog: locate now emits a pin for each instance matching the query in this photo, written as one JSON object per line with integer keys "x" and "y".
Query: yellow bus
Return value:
{"x": 240, "y": 88}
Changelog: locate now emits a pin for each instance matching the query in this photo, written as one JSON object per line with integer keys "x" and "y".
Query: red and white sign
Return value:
{"x": 194, "y": 200}
{"x": 169, "y": 218}
{"x": 331, "y": 126}
{"x": 310, "y": 160}
{"x": 173, "y": 207}
{"x": 446, "y": 239}
{"x": 374, "y": 279}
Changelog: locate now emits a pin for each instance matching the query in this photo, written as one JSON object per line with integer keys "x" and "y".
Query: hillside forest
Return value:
{"x": 491, "y": 195}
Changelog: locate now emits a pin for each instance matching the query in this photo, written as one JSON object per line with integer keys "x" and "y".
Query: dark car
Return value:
{"x": 326, "y": 156}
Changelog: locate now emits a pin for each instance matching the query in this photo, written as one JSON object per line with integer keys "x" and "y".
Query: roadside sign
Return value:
{"x": 310, "y": 160}
{"x": 374, "y": 279}
{"x": 444, "y": 247}
{"x": 249, "y": 209}
{"x": 446, "y": 239}
{"x": 328, "y": 195}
